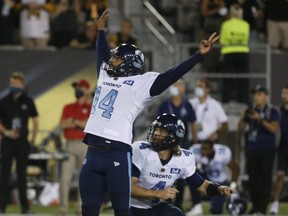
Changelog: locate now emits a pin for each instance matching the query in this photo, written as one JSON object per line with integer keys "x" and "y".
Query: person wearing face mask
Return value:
{"x": 211, "y": 123}
{"x": 211, "y": 118}
{"x": 15, "y": 110}
{"x": 178, "y": 105}
{"x": 73, "y": 121}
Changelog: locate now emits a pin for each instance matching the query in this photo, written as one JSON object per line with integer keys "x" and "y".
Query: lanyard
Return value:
{"x": 203, "y": 113}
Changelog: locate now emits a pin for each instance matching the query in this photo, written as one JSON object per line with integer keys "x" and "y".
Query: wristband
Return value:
{"x": 233, "y": 185}
{"x": 212, "y": 189}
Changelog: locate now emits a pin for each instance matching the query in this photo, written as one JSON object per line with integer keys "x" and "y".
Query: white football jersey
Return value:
{"x": 216, "y": 168}
{"x": 155, "y": 176}
{"x": 116, "y": 104}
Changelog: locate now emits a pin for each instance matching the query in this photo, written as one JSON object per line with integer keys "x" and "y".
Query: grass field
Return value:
{"x": 51, "y": 210}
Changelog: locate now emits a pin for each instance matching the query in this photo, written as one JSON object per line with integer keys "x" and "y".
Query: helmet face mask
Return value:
{"x": 166, "y": 132}
{"x": 133, "y": 61}
{"x": 159, "y": 137}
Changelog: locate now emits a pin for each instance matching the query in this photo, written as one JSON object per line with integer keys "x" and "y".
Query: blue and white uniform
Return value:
{"x": 216, "y": 168}
{"x": 117, "y": 102}
{"x": 153, "y": 175}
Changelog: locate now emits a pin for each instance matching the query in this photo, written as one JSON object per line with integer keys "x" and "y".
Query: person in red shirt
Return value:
{"x": 73, "y": 121}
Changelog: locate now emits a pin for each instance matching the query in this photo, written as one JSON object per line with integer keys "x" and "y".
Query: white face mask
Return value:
{"x": 199, "y": 92}
{"x": 173, "y": 91}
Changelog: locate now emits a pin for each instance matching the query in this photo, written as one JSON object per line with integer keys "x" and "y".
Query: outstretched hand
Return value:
{"x": 206, "y": 45}
{"x": 226, "y": 191}
{"x": 101, "y": 22}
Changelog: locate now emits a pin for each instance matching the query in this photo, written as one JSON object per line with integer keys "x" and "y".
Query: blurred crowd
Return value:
{"x": 67, "y": 23}
{"x": 267, "y": 19}
{"x": 64, "y": 23}
{"x": 57, "y": 23}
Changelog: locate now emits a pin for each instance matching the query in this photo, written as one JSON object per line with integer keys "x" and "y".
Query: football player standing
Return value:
{"x": 122, "y": 93}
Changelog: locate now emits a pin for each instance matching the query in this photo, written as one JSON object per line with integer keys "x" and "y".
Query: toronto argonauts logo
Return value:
{"x": 180, "y": 132}
{"x": 138, "y": 59}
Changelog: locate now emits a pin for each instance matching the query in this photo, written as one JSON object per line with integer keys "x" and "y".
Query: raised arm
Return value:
{"x": 102, "y": 48}
{"x": 164, "y": 80}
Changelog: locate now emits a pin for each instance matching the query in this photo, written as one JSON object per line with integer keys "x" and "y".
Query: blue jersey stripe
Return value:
{"x": 129, "y": 175}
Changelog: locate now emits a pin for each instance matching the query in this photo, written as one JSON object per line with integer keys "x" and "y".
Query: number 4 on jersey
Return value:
{"x": 159, "y": 186}
{"x": 106, "y": 103}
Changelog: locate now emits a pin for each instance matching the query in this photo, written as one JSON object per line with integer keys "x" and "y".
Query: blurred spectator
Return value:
{"x": 252, "y": 12}
{"x": 180, "y": 106}
{"x": 211, "y": 118}
{"x": 15, "y": 110}
{"x": 212, "y": 161}
{"x": 277, "y": 23}
{"x": 124, "y": 36}
{"x": 73, "y": 121}
{"x": 213, "y": 12}
{"x": 7, "y": 22}
{"x": 34, "y": 23}
{"x": 189, "y": 19}
{"x": 235, "y": 50}
{"x": 92, "y": 8}
{"x": 263, "y": 121}
{"x": 86, "y": 40}
{"x": 282, "y": 163}
{"x": 64, "y": 24}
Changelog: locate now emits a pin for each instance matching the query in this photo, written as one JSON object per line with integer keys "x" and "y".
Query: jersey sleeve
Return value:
{"x": 142, "y": 87}
{"x": 102, "y": 49}
{"x": 190, "y": 166}
{"x": 139, "y": 150}
{"x": 195, "y": 180}
{"x": 221, "y": 115}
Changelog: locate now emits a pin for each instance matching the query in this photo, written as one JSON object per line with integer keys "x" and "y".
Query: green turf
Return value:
{"x": 51, "y": 210}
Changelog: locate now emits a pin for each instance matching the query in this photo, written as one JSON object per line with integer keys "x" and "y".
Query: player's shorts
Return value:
{"x": 282, "y": 163}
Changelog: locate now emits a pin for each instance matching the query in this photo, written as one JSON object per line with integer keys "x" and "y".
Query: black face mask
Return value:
{"x": 79, "y": 93}
{"x": 15, "y": 90}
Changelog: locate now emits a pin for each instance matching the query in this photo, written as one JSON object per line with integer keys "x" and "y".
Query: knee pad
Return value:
{"x": 90, "y": 210}
{"x": 122, "y": 212}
